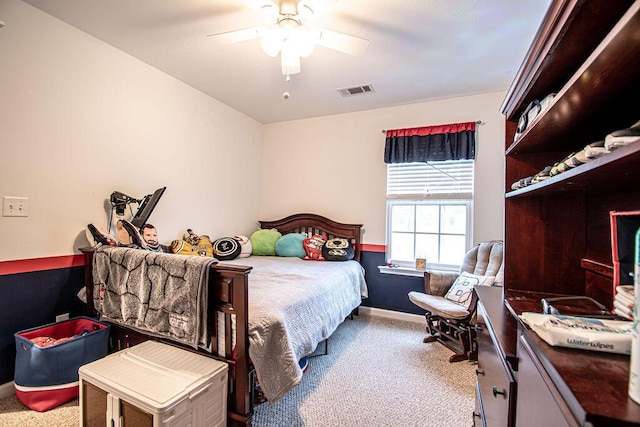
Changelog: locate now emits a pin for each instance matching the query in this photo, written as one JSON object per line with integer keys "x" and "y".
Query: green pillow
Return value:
{"x": 291, "y": 245}
{"x": 263, "y": 242}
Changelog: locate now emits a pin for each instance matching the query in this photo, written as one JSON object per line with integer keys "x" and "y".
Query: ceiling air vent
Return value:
{"x": 357, "y": 90}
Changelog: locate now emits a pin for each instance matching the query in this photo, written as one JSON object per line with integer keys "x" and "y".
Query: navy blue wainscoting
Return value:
{"x": 33, "y": 299}
{"x": 389, "y": 291}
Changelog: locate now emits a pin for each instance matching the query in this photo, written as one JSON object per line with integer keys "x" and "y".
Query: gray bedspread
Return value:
{"x": 157, "y": 293}
{"x": 293, "y": 306}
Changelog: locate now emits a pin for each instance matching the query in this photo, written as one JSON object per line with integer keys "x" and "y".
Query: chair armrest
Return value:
{"x": 438, "y": 282}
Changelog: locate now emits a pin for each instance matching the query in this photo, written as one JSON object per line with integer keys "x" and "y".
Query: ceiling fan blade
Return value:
{"x": 342, "y": 42}
{"x": 237, "y": 36}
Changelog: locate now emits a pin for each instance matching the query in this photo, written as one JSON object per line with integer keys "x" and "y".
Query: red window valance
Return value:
{"x": 431, "y": 130}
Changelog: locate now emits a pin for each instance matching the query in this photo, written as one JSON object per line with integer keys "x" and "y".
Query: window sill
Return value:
{"x": 408, "y": 271}
{"x": 401, "y": 271}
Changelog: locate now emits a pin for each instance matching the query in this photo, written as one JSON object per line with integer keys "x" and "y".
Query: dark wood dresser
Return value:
{"x": 522, "y": 381}
{"x": 557, "y": 238}
{"x": 497, "y": 360}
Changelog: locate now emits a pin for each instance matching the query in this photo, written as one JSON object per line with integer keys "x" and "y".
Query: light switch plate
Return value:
{"x": 15, "y": 206}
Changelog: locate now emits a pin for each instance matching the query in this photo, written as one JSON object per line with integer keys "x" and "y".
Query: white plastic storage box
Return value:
{"x": 153, "y": 384}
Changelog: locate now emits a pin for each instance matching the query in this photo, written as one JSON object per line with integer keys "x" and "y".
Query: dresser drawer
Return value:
{"x": 538, "y": 400}
{"x": 495, "y": 381}
{"x": 478, "y": 413}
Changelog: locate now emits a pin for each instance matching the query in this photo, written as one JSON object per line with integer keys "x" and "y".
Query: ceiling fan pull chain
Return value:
{"x": 286, "y": 94}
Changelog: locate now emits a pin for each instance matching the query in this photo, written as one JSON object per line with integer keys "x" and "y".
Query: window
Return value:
{"x": 429, "y": 212}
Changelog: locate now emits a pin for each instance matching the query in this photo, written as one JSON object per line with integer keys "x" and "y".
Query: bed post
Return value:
{"x": 230, "y": 296}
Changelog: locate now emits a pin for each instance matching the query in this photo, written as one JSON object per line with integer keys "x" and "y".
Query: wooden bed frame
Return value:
{"x": 228, "y": 294}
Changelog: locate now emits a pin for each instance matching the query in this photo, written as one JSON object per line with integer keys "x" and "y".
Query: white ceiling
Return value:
{"x": 419, "y": 50}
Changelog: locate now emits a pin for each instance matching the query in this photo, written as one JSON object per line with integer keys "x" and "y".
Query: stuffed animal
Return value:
{"x": 245, "y": 246}
{"x": 263, "y": 242}
{"x": 338, "y": 249}
{"x": 313, "y": 246}
{"x": 191, "y": 237}
{"x": 192, "y": 244}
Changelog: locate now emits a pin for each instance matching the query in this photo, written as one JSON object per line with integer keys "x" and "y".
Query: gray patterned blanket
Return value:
{"x": 157, "y": 293}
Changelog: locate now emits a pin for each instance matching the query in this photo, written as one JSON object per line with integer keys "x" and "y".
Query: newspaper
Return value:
{"x": 610, "y": 336}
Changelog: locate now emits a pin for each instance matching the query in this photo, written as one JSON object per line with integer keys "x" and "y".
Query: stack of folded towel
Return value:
{"x": 624, "y": 301}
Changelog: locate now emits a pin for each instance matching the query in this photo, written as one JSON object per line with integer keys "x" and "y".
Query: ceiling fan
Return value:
{"x": 292, "y": 34}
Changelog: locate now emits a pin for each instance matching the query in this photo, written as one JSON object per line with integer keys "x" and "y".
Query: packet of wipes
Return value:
{"x": 610, "y": 336}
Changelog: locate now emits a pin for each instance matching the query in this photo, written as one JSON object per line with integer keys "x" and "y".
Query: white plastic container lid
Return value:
{"x": 156, "y": 374}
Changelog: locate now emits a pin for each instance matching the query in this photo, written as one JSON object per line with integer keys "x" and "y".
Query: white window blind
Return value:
{"x": 437, "y": 180}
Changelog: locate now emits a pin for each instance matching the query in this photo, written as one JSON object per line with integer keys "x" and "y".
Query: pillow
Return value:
{"x": 338, "y": 249}
{"x": 290, "y": 245}
{"x": 263, "y": 242}
{"x": 245, "y": 246}
{"x": 226, "y": 248}
{"x": 460, "y": 291}
{"x": 313, "y": 247}
{"x": 203, "y": 247}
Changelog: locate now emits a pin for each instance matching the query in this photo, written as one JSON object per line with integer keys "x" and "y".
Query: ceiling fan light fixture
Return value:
{"x": 292, "y": 34}
{"x": 304, "y": 41}
{"x": 291, "y": 40}
{"x": 289, "y": 59}
{"x": 271, "y": 42}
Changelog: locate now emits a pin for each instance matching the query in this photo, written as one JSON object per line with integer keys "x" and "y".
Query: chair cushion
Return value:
{"x": 485, "y": 259}
{"x": 439, "y": 305}
{"x": 460, "y": 291}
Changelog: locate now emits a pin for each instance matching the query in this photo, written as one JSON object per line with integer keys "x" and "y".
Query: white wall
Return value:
{"x": 80, "y": 119}
{"x": 334, "y": 165}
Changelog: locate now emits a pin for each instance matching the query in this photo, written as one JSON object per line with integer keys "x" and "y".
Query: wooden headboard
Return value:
{"x": 317, "y": 224}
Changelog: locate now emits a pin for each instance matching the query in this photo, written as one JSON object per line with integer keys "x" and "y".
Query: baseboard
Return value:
{"x": 7, "y": 389}
{"x": 390, "y": 314}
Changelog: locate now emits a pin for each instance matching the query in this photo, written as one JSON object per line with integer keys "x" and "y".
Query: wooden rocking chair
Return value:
{"x": 450, "y": 302}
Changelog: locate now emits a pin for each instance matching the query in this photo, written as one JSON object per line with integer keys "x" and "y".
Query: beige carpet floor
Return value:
{"x": 377, "y": 373}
